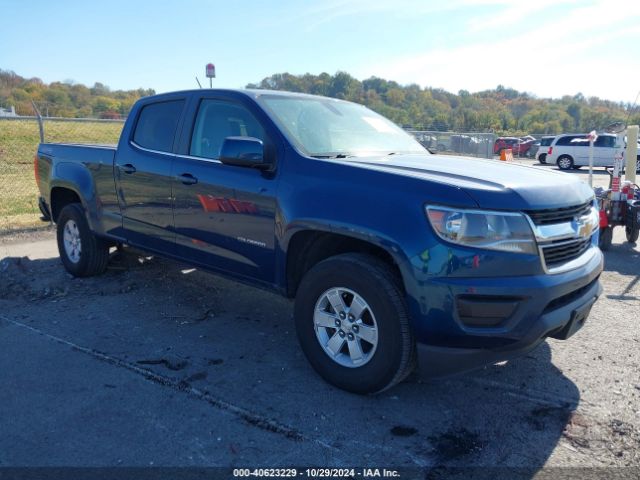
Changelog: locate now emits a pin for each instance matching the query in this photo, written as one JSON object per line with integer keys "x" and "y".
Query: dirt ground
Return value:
{"x": 155, "y": 363}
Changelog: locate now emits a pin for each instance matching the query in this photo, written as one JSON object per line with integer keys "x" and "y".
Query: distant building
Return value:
{"x": 8, "y": 112}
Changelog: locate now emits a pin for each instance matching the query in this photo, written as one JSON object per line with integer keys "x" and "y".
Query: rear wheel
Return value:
{"x": 82, "y": 253}
{"x": 353, "y": 325}
{"x": 632, "y": 234}
{"x": 606, "y": 237}
{"x": 542, "y": 158}
{"x": 565, "y": 162}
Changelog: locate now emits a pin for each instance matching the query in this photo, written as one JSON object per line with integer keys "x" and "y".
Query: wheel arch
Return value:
{"x": 308, "y": 246}
{"x": 73, "y": 182}
{"x": 60, "y": 197}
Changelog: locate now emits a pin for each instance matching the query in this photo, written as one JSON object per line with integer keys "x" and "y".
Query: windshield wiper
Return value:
{"x": 339, "y": 155}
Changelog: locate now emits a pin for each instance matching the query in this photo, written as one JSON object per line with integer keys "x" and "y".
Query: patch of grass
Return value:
{"x": 19, "y": 141}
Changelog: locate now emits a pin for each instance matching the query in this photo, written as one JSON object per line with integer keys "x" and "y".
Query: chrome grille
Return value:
{"x": 558, "y": 215}
{"x": 557, "y": 253}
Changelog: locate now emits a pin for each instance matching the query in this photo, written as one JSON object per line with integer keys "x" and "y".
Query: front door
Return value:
{"x": 224, "y": 215}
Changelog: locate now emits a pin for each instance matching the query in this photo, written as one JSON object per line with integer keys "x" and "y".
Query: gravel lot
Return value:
{"x": 154, "y": 363}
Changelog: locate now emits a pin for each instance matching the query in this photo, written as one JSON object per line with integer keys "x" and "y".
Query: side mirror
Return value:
{"x": 243, "y": 152}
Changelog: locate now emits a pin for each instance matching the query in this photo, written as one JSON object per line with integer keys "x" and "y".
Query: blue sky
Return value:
{"x": 546, "y": 47}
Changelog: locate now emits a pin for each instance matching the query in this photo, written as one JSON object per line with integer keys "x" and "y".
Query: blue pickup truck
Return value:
{"x": 394, "y": 256}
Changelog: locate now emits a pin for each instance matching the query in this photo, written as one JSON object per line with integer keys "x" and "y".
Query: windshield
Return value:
{"x": 323, "y": 127}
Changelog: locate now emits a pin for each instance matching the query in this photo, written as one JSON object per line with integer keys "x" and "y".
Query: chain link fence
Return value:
{"x": 457, "y": 143}
{"x": 19, "y": 139}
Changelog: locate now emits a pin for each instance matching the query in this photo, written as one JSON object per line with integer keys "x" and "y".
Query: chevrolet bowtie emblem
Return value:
{"x": 583, "y": 226}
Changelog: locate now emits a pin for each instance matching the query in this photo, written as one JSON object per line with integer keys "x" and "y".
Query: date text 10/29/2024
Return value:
{"x": 316, "y": 472}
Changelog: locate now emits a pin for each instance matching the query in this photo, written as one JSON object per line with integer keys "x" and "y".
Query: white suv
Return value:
{"x": 572, "y": 151}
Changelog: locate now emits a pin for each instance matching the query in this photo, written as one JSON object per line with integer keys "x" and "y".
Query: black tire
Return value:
{"x": 632, "y": 234}
{"x": 375, "y": 282}
{"x": 564, "y": 162}
{"x": 543, "y": 158}
{"x": 94, "y": 251}
{"x": 606, "y": 237}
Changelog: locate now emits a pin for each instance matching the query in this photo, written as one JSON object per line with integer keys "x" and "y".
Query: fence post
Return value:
{"x": 40, "y": 122}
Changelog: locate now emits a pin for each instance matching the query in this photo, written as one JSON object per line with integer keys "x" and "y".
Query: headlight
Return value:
{"x": 504, "y": 231}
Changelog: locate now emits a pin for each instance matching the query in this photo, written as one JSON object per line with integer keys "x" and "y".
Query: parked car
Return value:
{"x": 503, "y": 143}
{"x": 541, "y": 153}
{"x": 533, "y": 151}
{"x": 394, "y": 256}
{"x": 523, "y": 147}
{"x": 572, "y": 151}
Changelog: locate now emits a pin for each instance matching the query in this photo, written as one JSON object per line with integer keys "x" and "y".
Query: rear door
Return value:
{"x": 143, "y": 175}
{"x": 224, "y": 215}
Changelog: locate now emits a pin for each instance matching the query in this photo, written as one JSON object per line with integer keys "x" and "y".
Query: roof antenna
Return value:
{"x": 198, "y": 82}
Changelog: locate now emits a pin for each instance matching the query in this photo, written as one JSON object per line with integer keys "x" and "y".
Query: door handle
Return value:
{"x": 128, "y": 168}
{"x": 187, "y": 179}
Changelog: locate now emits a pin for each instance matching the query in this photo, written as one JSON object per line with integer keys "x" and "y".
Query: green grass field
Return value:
{"x": 18, "y": 144}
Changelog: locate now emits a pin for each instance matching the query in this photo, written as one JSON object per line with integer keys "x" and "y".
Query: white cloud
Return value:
{"x": 513, "y": 13}
{"x": 549, "y": 58}
{"x": 331, "y": 10}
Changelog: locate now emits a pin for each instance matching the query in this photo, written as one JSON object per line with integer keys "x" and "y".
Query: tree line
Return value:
{"x": 502, "y": 110}
{"x": 66, "y": 99}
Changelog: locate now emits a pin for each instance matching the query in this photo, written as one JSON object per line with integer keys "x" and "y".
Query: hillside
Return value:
{"x": 503, "y": 110}
{"x": 65, "y": 99}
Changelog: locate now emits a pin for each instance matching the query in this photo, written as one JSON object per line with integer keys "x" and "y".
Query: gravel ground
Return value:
{"x": 158, "y": 364}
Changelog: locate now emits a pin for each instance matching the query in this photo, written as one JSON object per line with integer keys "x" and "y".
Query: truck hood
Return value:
{"x": 491, "y": 184}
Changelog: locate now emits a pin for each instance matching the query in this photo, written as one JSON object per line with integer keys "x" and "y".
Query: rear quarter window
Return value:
{"x": 545, "y": 142}
{"x": 156, "y": 126}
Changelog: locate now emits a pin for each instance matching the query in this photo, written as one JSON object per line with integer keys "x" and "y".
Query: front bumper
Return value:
{"x": 547, "y": 306}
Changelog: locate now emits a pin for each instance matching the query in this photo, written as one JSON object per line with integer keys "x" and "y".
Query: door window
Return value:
{"x": 217, "y": 120}
{"x": 157, "y": 123}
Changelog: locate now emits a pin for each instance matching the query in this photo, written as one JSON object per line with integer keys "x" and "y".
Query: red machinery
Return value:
{"x": 619, "y": 206}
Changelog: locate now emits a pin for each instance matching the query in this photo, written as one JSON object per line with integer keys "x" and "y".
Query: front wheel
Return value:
{"x": 353, "y": 325}
{"x": 82, "y": 253}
